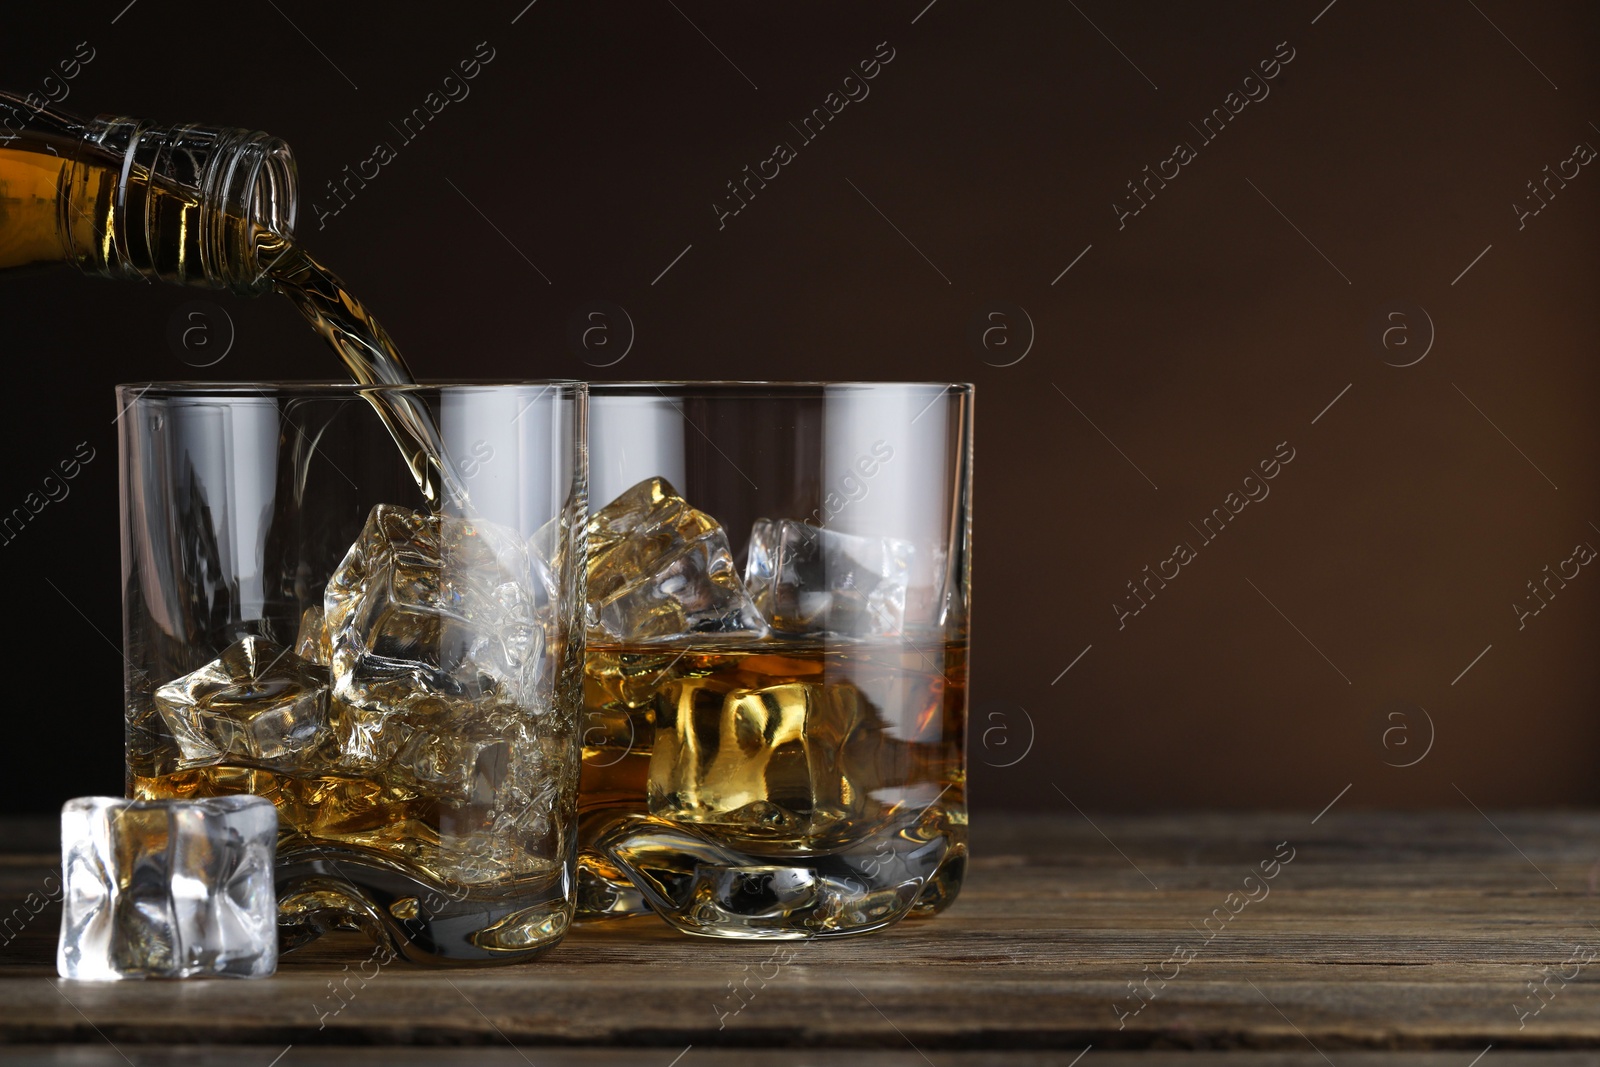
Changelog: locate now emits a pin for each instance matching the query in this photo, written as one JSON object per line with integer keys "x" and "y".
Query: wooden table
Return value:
{"x": 1401, "y": 933}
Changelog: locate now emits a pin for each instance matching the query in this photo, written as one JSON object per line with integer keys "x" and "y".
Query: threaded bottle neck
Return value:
{"x": 189, "y": 203}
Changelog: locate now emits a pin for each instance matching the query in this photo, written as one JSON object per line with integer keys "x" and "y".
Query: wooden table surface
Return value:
{"x": 1424, "y": 938}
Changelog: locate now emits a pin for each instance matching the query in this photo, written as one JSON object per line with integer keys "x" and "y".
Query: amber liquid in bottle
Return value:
{"x": 32, "y": 231}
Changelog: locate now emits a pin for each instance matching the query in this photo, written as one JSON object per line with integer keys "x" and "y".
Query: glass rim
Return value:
{"x": 333, "y": 387}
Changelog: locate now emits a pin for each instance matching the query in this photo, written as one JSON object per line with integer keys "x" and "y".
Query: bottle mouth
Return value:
{"x": 255, "y": 184}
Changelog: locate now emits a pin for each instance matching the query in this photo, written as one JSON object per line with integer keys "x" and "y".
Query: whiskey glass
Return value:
{"x": 403, "y": 681}
{"x": 775, "y": 683}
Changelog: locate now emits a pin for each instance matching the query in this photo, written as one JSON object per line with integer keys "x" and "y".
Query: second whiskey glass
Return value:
{"x": 775, "y": 681}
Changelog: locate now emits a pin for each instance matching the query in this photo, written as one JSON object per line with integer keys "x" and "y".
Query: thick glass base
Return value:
{"x": 355, "y": 854}
{"x": 945, "y": 885}
{"x": 702, "y": 885}
{"x": 322, "y": 889}
{"x": 604, "y": 892}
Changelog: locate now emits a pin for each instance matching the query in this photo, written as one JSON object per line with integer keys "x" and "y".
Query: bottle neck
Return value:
{"x": 181, "y": 204}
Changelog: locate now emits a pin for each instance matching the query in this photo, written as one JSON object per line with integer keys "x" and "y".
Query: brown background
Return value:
{"x": 1197, "y": 338}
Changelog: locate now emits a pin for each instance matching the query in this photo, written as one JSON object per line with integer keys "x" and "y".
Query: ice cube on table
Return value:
{"x": 775, "y": 761}
{"x": 168, "y": 888}
{"x": 257, "y": 703}
{"x": 808, "y": 579}
{"x": 427, "y": 608}
{"x": 659, "y": 568}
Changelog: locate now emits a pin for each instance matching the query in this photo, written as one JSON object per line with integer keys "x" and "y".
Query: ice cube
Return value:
{"x": 427, "y": 608}
{"x": 502, "y": 781}
{"x": 311, "y": 642}
{"x": 461, "y": 766}
{"x": 774, "y": 761}
{"x": 168, "y": 888}
{"x": 547, "y": 560}
{"x": 366, "y": 740}
{"x": 462, "y": 753}
{"x": 660, "y": 568}
{"x": 555, "y": 565}
{"x": 807, "y": 579}
{"x": 257, "y": 703}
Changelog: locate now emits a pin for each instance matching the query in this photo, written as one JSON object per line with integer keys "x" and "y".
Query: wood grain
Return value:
{"x": 1383, "y": 932}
